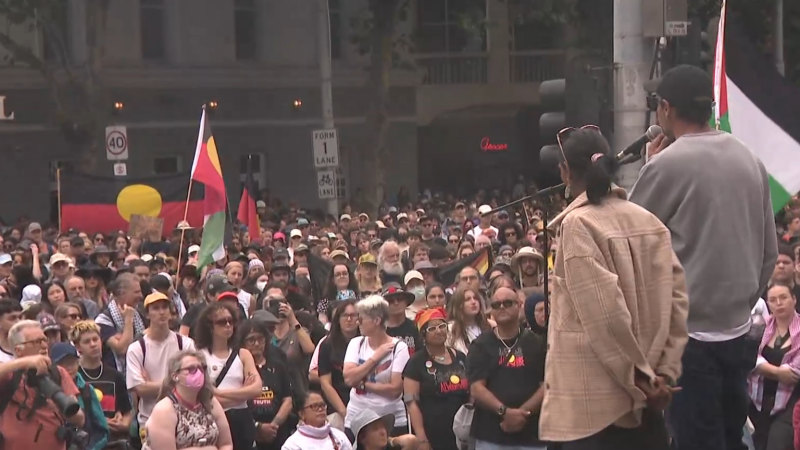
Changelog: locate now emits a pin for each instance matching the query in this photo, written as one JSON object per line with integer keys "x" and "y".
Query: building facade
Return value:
{"x": 468, "y": 98}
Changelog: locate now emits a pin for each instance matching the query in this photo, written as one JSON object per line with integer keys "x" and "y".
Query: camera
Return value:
{"x": 75, "y": 438}
{"x": 49, "y": 389}
{"x": 274, "y": 306}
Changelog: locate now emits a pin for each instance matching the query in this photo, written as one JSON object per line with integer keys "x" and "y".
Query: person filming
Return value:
{"x": 37, "y": 398}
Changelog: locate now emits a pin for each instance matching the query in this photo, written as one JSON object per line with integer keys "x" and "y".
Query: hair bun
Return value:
{"x": 597, "y": 157}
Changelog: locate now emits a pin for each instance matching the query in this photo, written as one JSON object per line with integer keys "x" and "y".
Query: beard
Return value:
{"x": 395, "y": 268}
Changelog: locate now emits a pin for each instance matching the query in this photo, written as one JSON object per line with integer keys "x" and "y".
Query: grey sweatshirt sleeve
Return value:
{"x": 770, "y": 236}
{"x": 655, "y": 192}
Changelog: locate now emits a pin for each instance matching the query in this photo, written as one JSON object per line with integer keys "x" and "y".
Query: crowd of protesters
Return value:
{"x": 426, "y": 327}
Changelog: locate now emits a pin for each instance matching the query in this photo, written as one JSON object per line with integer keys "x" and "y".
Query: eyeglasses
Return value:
{"x": 255, "y": 340}
{"x": 321, "y": 406}
{"x": 71, "y": 316}
{"x": 225, "y": 322}
{"x": 469, "y": 278}
{"x": 505, "y": 304}
{"x": 350, "y": 316}
{"x": 341, "y": 274}
{"x": 98, "y": 239}
{"x": 40, "y": 341}
{"x": 453, "y": 241}
{"x": 191, "y": 370}
{"x": 440, "y": 327}
{"x": 566, "y": 132}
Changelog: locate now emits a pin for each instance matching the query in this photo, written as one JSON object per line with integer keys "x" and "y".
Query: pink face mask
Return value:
{"x": 196, "y": 380}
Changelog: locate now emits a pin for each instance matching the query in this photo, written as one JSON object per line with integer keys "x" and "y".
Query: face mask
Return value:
{"x": 196, "y": 380}
{"x": 419, "y": 292}
{"x": 260, "y": 285}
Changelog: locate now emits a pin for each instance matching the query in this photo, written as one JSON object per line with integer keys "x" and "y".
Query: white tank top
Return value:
{"x": 244, "y": 300}
{"x": 234, "y": 379}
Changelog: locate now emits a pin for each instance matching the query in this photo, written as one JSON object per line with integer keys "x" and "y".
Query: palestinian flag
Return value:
{"x": 480, "y": 260}
{"x": 206, "y": 169}
{"x": 247, "y": 205}
{"x": 105, "y": 204}
{"x": 759, "y": 106}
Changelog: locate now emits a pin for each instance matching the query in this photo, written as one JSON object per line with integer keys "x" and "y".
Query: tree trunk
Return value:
{"x": 374, "y": 150}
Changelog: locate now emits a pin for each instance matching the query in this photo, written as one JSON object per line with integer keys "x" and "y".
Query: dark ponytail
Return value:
{"x": 590, "y": 162}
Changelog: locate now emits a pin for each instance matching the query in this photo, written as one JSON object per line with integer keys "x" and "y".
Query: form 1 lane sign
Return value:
{"x": 326, "y": 148}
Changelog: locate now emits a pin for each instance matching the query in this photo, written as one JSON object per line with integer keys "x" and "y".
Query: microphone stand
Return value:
{"x": 545, "y": 244}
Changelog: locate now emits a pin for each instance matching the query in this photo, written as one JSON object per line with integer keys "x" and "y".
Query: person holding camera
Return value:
{"x": 37, "y": 399}
{"x": 292, "y": 338}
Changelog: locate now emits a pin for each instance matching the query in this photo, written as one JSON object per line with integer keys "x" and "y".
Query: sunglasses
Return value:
{"x": 440, "y": 327}
{"x": 225, "y": 322}
{"x": 511, "y": 234}
{"x": 191, "y": 370}
{"x": 566, "y": 132}
{"x": 653, "y": 100}
{"x": 505, "y": 304}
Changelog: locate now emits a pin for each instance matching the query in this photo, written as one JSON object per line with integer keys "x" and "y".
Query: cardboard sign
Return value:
{"x": 146, "y": 227}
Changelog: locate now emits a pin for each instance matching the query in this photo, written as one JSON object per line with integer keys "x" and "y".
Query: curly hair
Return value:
{"x": 204, "y": 333}
{"x": 82, "y": 327}
{"x": 205, "y": 396}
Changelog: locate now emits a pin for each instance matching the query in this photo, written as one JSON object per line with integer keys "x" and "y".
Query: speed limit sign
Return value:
{"x": 116, "y": 143}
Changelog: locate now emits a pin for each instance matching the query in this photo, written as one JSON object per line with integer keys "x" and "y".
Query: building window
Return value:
{"x": 153, "y": 24}
{"x": 335, "y": 17}
{"x": 167, "y": 165}
{"x": 445, "y": 26}
{"x": 244, "y": 17}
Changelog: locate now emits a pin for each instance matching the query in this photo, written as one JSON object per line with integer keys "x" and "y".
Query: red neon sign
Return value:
{"x": 488, "y": 146}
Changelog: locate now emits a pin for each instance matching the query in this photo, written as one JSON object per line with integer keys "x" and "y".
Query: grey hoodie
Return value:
{"x": 712, "y": 193}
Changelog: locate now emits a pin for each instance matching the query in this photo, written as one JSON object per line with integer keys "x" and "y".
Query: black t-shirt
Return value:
{"x": 275, "y": 387}
{"x": 442, "y": 390}
{"x": 331, "y": 361}
{"x": 111, "y": 384}
{"x": 408, "y": 333}
{"x": 190, "y": 318}
{"x": 513, "y": 383}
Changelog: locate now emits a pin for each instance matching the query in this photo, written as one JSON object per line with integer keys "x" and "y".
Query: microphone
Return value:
{"x": 636, "y": 147}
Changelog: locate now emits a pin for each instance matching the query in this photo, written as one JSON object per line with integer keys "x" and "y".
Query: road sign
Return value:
{"x": 326, "y": 148}
{"x": 326, "y": 184}
{"x": 120, "y": 169}
{"x": 676, "y": 28}
{"x": 116, "y": 143}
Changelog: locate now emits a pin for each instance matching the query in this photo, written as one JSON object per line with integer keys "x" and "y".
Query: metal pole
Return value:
{"x": 632, "y": 60}
{"x": 325, "y": 71}
{"x": 778, "y": 32}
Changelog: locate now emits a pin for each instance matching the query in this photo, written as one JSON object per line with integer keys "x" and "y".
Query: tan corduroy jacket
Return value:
{"x": 619, "y": 302}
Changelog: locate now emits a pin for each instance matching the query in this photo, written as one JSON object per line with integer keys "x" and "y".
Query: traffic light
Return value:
{"x": 553, "y": 98}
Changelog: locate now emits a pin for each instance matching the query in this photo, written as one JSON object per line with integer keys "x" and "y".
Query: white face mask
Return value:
{"x": 418, "y": 291}
{"x": 260, "y": 285}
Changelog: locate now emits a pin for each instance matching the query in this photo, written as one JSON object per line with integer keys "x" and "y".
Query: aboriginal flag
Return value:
{"x": 247, "y": 205}
{"x": 105, "y": 204}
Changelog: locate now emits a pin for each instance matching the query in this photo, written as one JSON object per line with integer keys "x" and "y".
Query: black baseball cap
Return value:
{"x": 684, "y": 87}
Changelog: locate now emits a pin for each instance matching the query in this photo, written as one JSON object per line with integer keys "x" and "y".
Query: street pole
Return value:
{"x": 324, "y": 32}
{"x": 632, "y": 54}
{"x": 778, "y": 32}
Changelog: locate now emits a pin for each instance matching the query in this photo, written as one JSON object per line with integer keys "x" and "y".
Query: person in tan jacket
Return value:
{"x": 618, "y": 318}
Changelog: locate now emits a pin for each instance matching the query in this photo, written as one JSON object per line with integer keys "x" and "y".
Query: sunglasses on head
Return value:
{"x": 564, "y": 134}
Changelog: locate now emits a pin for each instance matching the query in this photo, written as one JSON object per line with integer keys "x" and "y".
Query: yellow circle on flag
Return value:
{"x": 138, "y": 199}
{"x": 99, "y": 394}
{"x": 455, "y": 379}
{"x": 511, "y": 359}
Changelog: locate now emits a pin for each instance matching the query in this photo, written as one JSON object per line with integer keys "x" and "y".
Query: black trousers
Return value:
{"x": 243, "y": 428}
{"x": 650, "y": 435}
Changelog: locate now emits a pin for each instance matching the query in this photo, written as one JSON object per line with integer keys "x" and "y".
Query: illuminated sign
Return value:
{"x": 3, "y": 115}
{"x": 488, "y": 146}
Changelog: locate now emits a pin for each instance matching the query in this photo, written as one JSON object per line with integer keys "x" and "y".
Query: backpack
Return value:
{"x": 96, "y": 425}
{"x": 144, "y": 347}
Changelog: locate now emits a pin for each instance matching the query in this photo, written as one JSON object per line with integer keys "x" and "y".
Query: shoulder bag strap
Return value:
{"x": 144, "y": 349}
{"x": 227, "y": 367}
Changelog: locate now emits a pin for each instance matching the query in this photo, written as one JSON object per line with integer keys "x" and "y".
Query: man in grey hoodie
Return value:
{"x": 713, "y": 194}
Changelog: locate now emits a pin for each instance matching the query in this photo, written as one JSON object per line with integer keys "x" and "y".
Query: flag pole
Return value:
{"x": 58, "y": 196}
{"x": 719, "y": 66}
{"x": 188, "y": 198}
